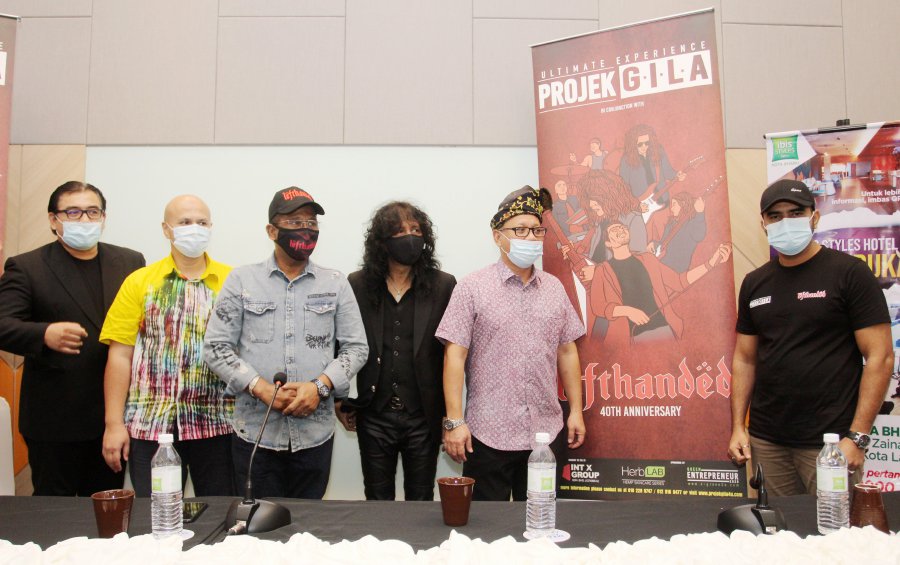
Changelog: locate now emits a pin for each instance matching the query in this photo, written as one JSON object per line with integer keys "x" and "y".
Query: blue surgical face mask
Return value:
{"x": 523, "y": 252}
{"x": 81, "y": 235}
{"x": 790, "y": 236}
{"x": 191, "y": 240}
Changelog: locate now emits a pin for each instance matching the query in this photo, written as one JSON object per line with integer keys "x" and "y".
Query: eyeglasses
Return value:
{"x": 75, "y": 214}
{"x": 298, "y": 224}
{"x": 643, "y": 144}
{"x": 522, "y": 231}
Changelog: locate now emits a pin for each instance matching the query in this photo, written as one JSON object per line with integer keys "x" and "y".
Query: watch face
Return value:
{"x": 448, "y": 425}
{"x": 861, "y": 440}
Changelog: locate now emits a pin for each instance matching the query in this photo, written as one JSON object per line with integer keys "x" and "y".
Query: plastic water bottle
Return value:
{"x": 165, "y": 478}
{"x": 833, "y": 504}
{"x": 540, "y": 510}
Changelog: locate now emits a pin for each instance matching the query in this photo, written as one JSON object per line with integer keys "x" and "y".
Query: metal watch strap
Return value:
{"x": 860, "y": 439}
{"x": 324, "y": 391}
{"x": 450, "y": 425}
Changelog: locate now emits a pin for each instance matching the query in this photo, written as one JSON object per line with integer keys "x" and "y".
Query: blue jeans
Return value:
{"x": 284, "y": 474}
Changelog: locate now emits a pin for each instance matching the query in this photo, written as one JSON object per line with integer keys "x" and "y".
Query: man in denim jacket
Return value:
{"x": 285, "y": 315}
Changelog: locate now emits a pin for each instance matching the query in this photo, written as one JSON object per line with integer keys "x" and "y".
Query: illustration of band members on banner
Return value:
{"x": 629, "y": 225}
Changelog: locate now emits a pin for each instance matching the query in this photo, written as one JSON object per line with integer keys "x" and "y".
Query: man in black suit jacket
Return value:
{"x": 52, "y": 304}
{"x": 400, "y": 404}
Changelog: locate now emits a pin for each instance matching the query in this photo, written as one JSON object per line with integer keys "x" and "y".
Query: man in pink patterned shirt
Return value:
{"x": 510, "y": 327}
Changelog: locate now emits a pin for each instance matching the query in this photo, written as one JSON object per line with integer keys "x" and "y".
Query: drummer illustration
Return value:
{"x": 595, "y": 160}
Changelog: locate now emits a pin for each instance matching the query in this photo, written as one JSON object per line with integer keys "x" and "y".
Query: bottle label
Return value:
{"x": 542, "y": 480}
{"x": 831, "y": 480}
{"x": 166, "y": 479}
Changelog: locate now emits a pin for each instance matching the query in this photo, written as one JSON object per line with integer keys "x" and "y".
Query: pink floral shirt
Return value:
{"x": 512, "y": 331}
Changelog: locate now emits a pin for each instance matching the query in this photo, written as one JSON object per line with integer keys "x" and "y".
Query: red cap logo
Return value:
{"x": 292, "y": 193}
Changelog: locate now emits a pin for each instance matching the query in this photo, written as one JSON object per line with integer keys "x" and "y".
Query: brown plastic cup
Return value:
{"x": 456, "y": 497}
{"x": 112, "y": 508}
{"x": 867, "y": 507}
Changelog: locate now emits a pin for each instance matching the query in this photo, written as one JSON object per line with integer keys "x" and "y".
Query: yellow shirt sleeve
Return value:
{"x": 124, "y": 317}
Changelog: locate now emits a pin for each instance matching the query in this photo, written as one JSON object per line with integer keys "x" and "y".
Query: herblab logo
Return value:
{"x": 784, "y": 148}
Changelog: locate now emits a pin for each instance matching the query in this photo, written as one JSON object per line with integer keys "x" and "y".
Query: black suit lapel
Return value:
{"x": 61, "y": 265}
{"x": 420, "y": 319}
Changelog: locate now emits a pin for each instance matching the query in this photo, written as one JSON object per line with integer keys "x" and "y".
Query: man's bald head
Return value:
{"x": 187, "y": 209}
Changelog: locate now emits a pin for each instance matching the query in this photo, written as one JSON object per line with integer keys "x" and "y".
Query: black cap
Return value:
{"x": 789, "y": 190}
{"x": 291, "y": 198}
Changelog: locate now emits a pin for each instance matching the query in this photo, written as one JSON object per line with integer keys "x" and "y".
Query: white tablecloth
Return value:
{"x": 854, "y": 546}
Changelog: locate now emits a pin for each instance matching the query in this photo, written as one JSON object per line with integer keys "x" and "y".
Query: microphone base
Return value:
{"x": 751, "y": 518}
{"x": 258, "y": 516}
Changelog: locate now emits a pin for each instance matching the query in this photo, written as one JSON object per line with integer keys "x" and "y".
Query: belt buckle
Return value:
{"x": 396, "y": 403}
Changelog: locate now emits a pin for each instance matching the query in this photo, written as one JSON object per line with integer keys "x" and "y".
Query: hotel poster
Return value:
{"x": 630, "y": 144}
{"x": 854, "y": 174}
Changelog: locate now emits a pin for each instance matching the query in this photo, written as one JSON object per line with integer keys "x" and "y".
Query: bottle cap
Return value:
{"x": 165, "y": 438}
{"x": 542, "y": 437}
{"x": 831, "y": 438}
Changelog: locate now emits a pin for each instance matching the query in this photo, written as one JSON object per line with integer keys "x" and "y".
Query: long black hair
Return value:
{"x": 385, "y": 222}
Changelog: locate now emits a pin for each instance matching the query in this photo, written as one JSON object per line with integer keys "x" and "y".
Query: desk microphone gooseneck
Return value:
{"x": 257, "y": 516}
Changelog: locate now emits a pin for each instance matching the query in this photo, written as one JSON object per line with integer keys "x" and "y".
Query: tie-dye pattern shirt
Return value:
{"x": 164, "y": 316}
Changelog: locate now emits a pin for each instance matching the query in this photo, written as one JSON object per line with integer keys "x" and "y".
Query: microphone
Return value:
{"x": 759, "y": 518}
{"x": 256, "y": 516}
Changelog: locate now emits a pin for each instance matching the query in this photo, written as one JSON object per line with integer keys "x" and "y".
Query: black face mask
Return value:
{"x": 406, "y": 249}
{"x": 298, "y": 244}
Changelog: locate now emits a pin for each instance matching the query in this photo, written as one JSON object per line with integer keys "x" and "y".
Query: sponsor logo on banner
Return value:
{"x": 784, "y": 148}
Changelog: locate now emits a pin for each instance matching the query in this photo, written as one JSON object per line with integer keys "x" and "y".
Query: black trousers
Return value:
{"x": 284, "y": 474}
{"x": 499, "y": 473}
{"x": 385, "y": 435}
{"x": 207, "y": 460}
{"x": 70, "y": 468}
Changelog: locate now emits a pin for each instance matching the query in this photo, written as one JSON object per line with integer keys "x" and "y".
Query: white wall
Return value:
{"x": 458, "y": 187}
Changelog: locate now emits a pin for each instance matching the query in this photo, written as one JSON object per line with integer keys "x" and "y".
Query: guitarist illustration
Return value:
{"x": 635, "y": 291}
{"x": 675, "y": 231}
{"x": 605, "y": 198}
{"x": 645, "y": 167}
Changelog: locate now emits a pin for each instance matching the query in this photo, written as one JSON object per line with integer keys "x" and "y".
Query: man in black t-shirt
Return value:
{"x": 53, "y": 300}
{"x": 806, "y": 321}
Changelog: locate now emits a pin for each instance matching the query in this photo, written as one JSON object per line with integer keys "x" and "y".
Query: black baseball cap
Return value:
{"x": 291, "y": 198}
{"x": 789, "y": 190}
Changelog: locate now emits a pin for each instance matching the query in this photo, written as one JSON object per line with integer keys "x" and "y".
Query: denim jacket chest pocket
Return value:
{"x": 259, "y": 320}
{"x": 319, "y": 323}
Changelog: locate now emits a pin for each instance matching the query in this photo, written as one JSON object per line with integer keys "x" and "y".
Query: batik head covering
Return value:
{"x": 526, "y": 200}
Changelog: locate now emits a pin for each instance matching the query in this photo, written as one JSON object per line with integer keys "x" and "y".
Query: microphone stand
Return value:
{"x": 257, "y": 516}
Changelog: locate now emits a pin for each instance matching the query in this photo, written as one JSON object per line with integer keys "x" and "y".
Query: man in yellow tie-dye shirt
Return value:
{"x": 156, "y": 380}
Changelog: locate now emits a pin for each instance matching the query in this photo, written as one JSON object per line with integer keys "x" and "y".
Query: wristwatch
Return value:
{"x": 451, "y": 425}
{"x": 861, "y": 440}
{"x": 324, "y": 391}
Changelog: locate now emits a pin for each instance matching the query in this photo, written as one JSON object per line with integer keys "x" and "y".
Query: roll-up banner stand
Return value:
{"x": 854, "y": 173}
{"x": 631, "y": 145}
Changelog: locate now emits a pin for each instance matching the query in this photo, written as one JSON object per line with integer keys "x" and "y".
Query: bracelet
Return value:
{"x": 253, "y": 384}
